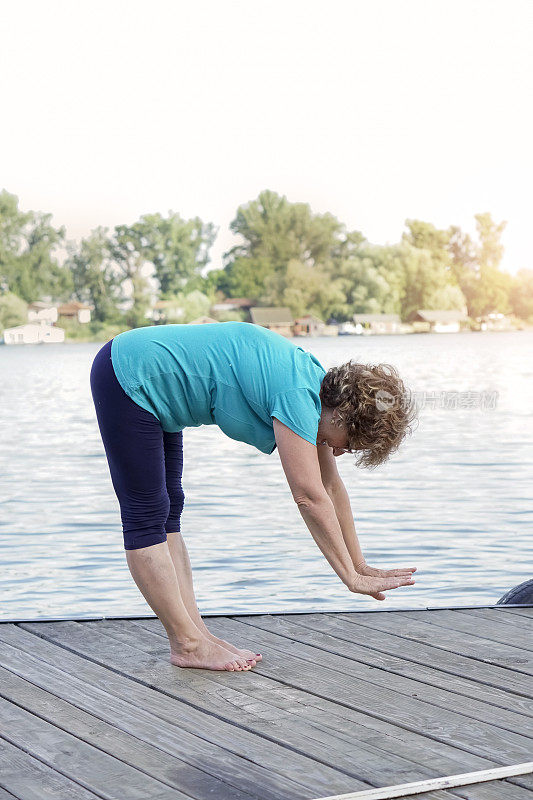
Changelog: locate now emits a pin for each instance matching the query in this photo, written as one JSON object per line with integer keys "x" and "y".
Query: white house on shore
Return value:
{"x": 51, "y": 312}
{"x": 75, "y": 310}
{"x": 378, "y": 323}
{"x": 42, "y": 312}
{"x": 309, "y": 325}
{"x": 31, "y": 333}
{"x": 439, "y": 321}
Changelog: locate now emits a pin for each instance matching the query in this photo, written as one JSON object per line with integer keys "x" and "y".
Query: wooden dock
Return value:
{"x": 339, "y": 704}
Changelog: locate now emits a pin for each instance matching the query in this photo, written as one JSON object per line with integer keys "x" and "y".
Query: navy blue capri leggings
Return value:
{"x": 146, "y": 462}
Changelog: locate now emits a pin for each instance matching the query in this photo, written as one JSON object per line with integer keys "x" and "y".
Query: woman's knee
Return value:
{"x": 177, "y": 501}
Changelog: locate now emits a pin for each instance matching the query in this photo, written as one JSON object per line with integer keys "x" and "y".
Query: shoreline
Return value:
{"x": 359, "y": 336}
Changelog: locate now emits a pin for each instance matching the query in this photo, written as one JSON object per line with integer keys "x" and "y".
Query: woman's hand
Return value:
{"x": 364, "y": 569}
{"x": 374, "y": 582}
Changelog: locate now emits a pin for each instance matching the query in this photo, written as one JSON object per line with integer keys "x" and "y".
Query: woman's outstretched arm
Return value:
{"x": 334, "y": 486}
{"x": 336, "y": 489}
{"x": 301, "y": 466}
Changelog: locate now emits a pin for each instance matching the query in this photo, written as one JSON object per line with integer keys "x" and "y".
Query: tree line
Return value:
{"x": 286, "y": 256}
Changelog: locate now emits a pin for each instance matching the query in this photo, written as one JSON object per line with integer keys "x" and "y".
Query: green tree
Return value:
{"x": 425, "y": 283}
{"x": 233, "y": 315}
{"x": 426, "y": 236}
{"x": 430, "y": 281}
{"x": 476, "y": 267}
{"x": 245, "y": 277}
{"x": 490, "y": 249}
{"x": 272, "y": 227}
{"x": 95, "y": 275}
{"x": 213, "y": 283}
{"x": 492, "y": 292}
{"x": 178, "y": 249}
{"x": 371, "y": 281}
{"x": 127, "y": 249}
{"x": 12, "y": 224}
{"x": 304, "y": 289}
{"x": 13, "y": 311}
{"x": 28, "y": 253}
{"x": 186, "y": 306}
{"x": 521, "y": 294}
{"x": 447, "y": 297}
{"x": 493, "y": 285}
{"x": 464, "y": 265}
{"x": 275, "y": 232}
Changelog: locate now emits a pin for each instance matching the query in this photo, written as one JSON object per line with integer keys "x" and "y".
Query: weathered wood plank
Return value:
{"x": 273, "y": 729}
{"x": 104, "y": 775}
{"x": 406, "y": 660}
{"x": 382, "y": 640}
{"x": 413, "y": 629}
{"x": 330, "y": 681}
{"x": 303, "y": 641}
{"x": 442, "y": 726}
{"x": 493, "y": 747}
{"x": 82, "y": 686}
{"x": 157, "y": 673}
{"x": 435, "y": 796}
{"x": 491, "y": 630}
{"x": 525, "y": 611}
{"x": 165, "y": 766}
{"x": 362, "y": 760}
{"x": 334, "y": 713}
{"x": 8, "y": 796}
{"x": 25, "y": 778}
{"x": 410, "y": 659}
{"x": 355, "y": 746}
{"x": 345, "y": 723}
{"x": 302, "y": 701}
{"x": 507, "y": 620}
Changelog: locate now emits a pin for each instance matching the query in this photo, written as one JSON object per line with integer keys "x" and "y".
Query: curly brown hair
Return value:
{"x": 373, "y": 404}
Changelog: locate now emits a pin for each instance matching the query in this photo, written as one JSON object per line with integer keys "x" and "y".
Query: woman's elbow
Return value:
{"x": 308, "y": 500}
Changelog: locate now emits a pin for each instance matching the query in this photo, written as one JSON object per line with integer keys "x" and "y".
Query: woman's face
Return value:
{"x": 332, "y": 435}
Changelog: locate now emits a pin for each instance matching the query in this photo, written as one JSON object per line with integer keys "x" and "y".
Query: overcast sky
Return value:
{"x": 375, "y": 111}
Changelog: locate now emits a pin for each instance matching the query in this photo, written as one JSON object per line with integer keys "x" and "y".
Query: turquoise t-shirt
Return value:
{"x": 232, "y": 374}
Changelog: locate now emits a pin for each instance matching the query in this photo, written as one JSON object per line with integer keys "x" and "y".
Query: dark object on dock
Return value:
{"x": 341, "y": 702}
{"x": 519, "y": 595}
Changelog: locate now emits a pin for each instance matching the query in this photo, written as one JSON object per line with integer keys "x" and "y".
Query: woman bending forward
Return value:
{"x": 259, "y": 388}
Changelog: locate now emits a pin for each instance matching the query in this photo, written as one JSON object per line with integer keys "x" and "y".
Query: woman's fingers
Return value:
{"x": 400, "y": 580}
{"x": 376, "y": 586}
{"x": 395, "y": 582}
{"x": 399, "y": 571}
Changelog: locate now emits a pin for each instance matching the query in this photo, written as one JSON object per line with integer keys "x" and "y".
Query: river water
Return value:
{"x": 454, "y": 501}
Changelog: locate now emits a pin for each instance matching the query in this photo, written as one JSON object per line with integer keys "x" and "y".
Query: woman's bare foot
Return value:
{"x": 206, "y": 654}
{"x": 248, "y": 655}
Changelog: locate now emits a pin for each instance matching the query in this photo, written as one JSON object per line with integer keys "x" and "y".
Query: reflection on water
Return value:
{"x": 455, "y": 501}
